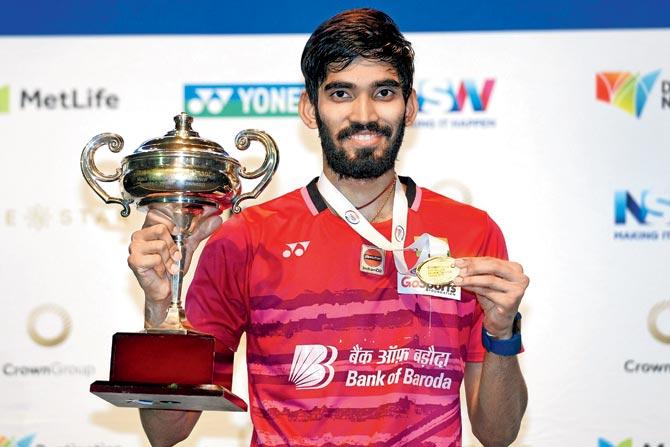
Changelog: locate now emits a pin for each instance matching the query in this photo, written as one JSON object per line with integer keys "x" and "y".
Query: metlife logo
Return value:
{"x": 39, "y": 99}
{"x": 242, "y": 100}
{"x": 642, "y": 215}
{"x": 4, "y": 99}
{"x": 455, "y": 104}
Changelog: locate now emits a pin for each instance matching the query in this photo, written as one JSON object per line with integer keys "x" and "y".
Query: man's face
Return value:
{"x": 361, "y": 117}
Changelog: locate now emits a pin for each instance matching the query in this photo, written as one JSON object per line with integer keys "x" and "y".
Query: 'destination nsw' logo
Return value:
{"x": 625, "y": 90}
{"x": 242, "y": 100}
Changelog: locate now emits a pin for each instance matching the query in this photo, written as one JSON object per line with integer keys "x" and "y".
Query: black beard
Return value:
{"x": 364, "y": 165}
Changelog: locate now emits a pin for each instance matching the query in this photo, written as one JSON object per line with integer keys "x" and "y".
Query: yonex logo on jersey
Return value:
{"x": 311, "y": 368}
{"x": 296, "y": 248}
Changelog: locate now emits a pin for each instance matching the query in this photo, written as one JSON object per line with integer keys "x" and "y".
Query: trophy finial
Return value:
{"x": 183, "y": 125}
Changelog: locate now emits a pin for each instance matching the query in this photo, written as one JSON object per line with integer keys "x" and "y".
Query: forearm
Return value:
{"x": 501, "y": 401}
{"x": 165, "y": 428}
{"x": 155, "y": 312}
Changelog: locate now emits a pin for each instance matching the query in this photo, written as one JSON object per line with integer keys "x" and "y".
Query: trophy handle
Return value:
{"x": 92, "y": 173}
{"x": 269, "y": 166}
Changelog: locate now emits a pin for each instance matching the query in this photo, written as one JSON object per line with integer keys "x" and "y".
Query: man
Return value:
{"x": 345, "y": 346}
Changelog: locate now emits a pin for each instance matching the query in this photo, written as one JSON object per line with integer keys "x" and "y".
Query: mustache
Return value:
{"x": 373, "y": 126}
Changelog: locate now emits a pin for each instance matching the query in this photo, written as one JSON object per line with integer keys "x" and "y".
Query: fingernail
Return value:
{"x": 458, "y": 280}
{"x": 462, "y": 271}
{"x": 459, "y": 262}
{"x": 174, "y": 269}
{"x": 176, "y": 255}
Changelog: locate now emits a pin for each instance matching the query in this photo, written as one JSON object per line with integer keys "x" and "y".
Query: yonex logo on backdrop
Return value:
{"x": 240, "y": 100}
{"x": 4, "y": 101}
{"x": 448, "y": 97}
{"x": 625, "y": 90}
{"x": 311, "y": 368}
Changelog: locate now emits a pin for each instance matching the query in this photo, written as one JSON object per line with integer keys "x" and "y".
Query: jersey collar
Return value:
{"x": 316, "y": 204}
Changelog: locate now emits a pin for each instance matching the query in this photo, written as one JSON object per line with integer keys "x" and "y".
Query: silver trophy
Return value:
{"x": 188, "y": 178}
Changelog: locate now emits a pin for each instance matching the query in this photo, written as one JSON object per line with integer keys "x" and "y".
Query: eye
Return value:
{"x": 385, "y": 93}
{"x": 340, "y": 95}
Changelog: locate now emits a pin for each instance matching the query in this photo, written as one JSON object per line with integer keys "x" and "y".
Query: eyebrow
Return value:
{"x": 349, "y": 85}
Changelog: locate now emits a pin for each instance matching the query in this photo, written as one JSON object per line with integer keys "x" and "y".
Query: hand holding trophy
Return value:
{"x": 186, "y": 180}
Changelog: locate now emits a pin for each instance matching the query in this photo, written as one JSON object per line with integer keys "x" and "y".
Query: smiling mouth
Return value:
{"x": 365, "y": 137}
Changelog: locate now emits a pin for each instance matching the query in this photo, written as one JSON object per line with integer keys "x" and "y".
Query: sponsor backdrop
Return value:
{"x": 561, "y": 135}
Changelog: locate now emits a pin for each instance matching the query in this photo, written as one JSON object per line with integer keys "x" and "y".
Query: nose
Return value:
{"x": 363, "y": 110}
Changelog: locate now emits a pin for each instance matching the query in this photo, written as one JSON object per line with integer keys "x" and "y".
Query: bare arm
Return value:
{"x": 152, "y": 259}
{"x": 495, "y": 389}
{"x": 497, "y": 397}
{"x": 165, "y": 428}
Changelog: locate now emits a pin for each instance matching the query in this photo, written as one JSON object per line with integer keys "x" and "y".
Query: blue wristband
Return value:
{"x": 507, "y": 347}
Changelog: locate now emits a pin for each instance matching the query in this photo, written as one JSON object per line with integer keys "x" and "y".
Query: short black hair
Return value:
{"x": 366, "y": 33}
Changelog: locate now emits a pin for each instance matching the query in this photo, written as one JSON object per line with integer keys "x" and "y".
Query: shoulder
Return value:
{"x": 432, "y": 203}
{"x": 256, "y": 219}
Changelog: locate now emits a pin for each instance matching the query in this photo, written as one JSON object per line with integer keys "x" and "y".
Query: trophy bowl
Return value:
{"x": 188, "y": 178}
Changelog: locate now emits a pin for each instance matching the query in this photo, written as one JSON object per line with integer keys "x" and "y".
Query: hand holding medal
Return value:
{"x": 499, "y": 286}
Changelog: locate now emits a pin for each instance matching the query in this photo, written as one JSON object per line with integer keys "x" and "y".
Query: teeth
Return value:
{"x": 363, "y": 136}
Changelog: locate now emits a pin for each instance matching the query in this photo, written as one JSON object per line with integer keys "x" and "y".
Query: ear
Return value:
{"x": 411, "y": 108}
{"x": 307, "y": 111}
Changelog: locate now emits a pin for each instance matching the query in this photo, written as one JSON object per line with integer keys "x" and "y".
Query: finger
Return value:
{"x": 153, "y": 233}
{"x": 168, "y": 254}
{"x": 510, "y": 271}
{"x": 206, "y": 228}
{"x": 159, "y": 215}
{"x": 142, "y": 264}
{"x": 490, "y": 282}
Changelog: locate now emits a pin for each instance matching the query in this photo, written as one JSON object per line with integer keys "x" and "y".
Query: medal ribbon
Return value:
{"x": 426, "y": 244}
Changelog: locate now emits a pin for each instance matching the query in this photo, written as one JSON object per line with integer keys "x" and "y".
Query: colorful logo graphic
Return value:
{"x": 45, "y": 332}
{"x": 4, "y": 100}
{"x": 10, "y": 442}
{"x": 605, "y": 443}
{"x": 447, "y": 97}
{"x": 625, "y": 204}
{"x": 625, "y": 90}
{"x": 242, "y": 100}
{"x": 652, "y": 321}
{"x": 311, "y": 368}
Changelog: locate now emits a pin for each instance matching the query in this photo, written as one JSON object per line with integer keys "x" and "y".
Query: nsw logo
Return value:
{"x": 311, "y": 368}
{"x": 626, "y": 90}
{"x": 449, "y": 97}
{"x": 641, "y": 215}
{"x": 242, "y": 100}
{"x": 4, "y": 99}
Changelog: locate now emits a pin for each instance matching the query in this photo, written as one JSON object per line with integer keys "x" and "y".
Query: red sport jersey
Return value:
{"x": 336, "y": 356}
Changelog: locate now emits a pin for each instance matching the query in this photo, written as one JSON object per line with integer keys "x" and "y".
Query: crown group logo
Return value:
{"x": 464, "y": 103}
{"x": 642, "y": 215}
{"x": 242, "y": 100}
{"x": 625, "y": 90}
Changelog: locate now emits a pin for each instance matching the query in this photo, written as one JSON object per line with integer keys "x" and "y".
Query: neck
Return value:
{"x": 362, "y": 191}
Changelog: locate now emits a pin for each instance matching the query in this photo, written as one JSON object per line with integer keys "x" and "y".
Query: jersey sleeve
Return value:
{"x": 493, "y": 245}
{"x": 217, "y": 300}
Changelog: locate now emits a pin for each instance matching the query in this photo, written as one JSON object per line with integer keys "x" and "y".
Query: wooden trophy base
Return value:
{"x": 167, "y": 371}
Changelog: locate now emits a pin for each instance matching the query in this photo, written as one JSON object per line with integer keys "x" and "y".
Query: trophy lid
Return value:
{"x": 182, "y": 139}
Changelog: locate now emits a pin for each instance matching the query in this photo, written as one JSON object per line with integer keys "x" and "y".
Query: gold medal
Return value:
{"x": 437, "y": 271}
